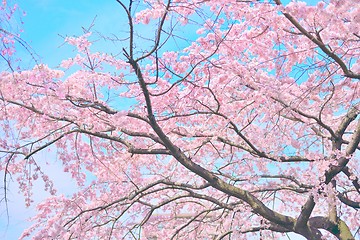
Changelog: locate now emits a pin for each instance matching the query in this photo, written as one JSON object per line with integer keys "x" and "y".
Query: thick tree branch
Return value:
{"x": 347, "y": 119}
{"x": 347, "y": 201}
{"x": 142, "y": 134}
{"x": 306, "y": 210}
{"x": 339, "y": 229}
{"x": 214, "y": 181}
{"x": 83, "y": 103}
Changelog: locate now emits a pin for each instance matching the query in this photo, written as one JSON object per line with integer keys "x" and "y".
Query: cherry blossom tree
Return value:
{"x": 250, "y": 127}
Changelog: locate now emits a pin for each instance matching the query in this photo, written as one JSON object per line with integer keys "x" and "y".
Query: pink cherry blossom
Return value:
{"x": 246, "y": 127}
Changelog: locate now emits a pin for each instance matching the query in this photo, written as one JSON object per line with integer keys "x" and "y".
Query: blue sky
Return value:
{"x": 45, "y": 23}
{"x": 48, "y": 21}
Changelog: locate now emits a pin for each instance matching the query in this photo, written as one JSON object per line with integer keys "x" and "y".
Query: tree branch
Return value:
{"x": 256, "y": 204}
{"x": 320, "y": 44}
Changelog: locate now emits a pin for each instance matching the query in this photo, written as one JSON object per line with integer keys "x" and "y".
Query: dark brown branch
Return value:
{"x": 304, "y": 216}
{"x": 83, "y": 103}
{"x": 105, "y": 136}
{"x": 48, "y": 144}
{"x": 142, "y": 134}
{"x": 347, "y": 201}
{"x": 131, "y": 25}
{"x": 280, "y": 188}
{"x": 158, "y": 34}
{"x": 347, "y": 119}
{"x": 335, "y": 169}
{"x": 272, "y": 227}
{"x": 149, "y": 151}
